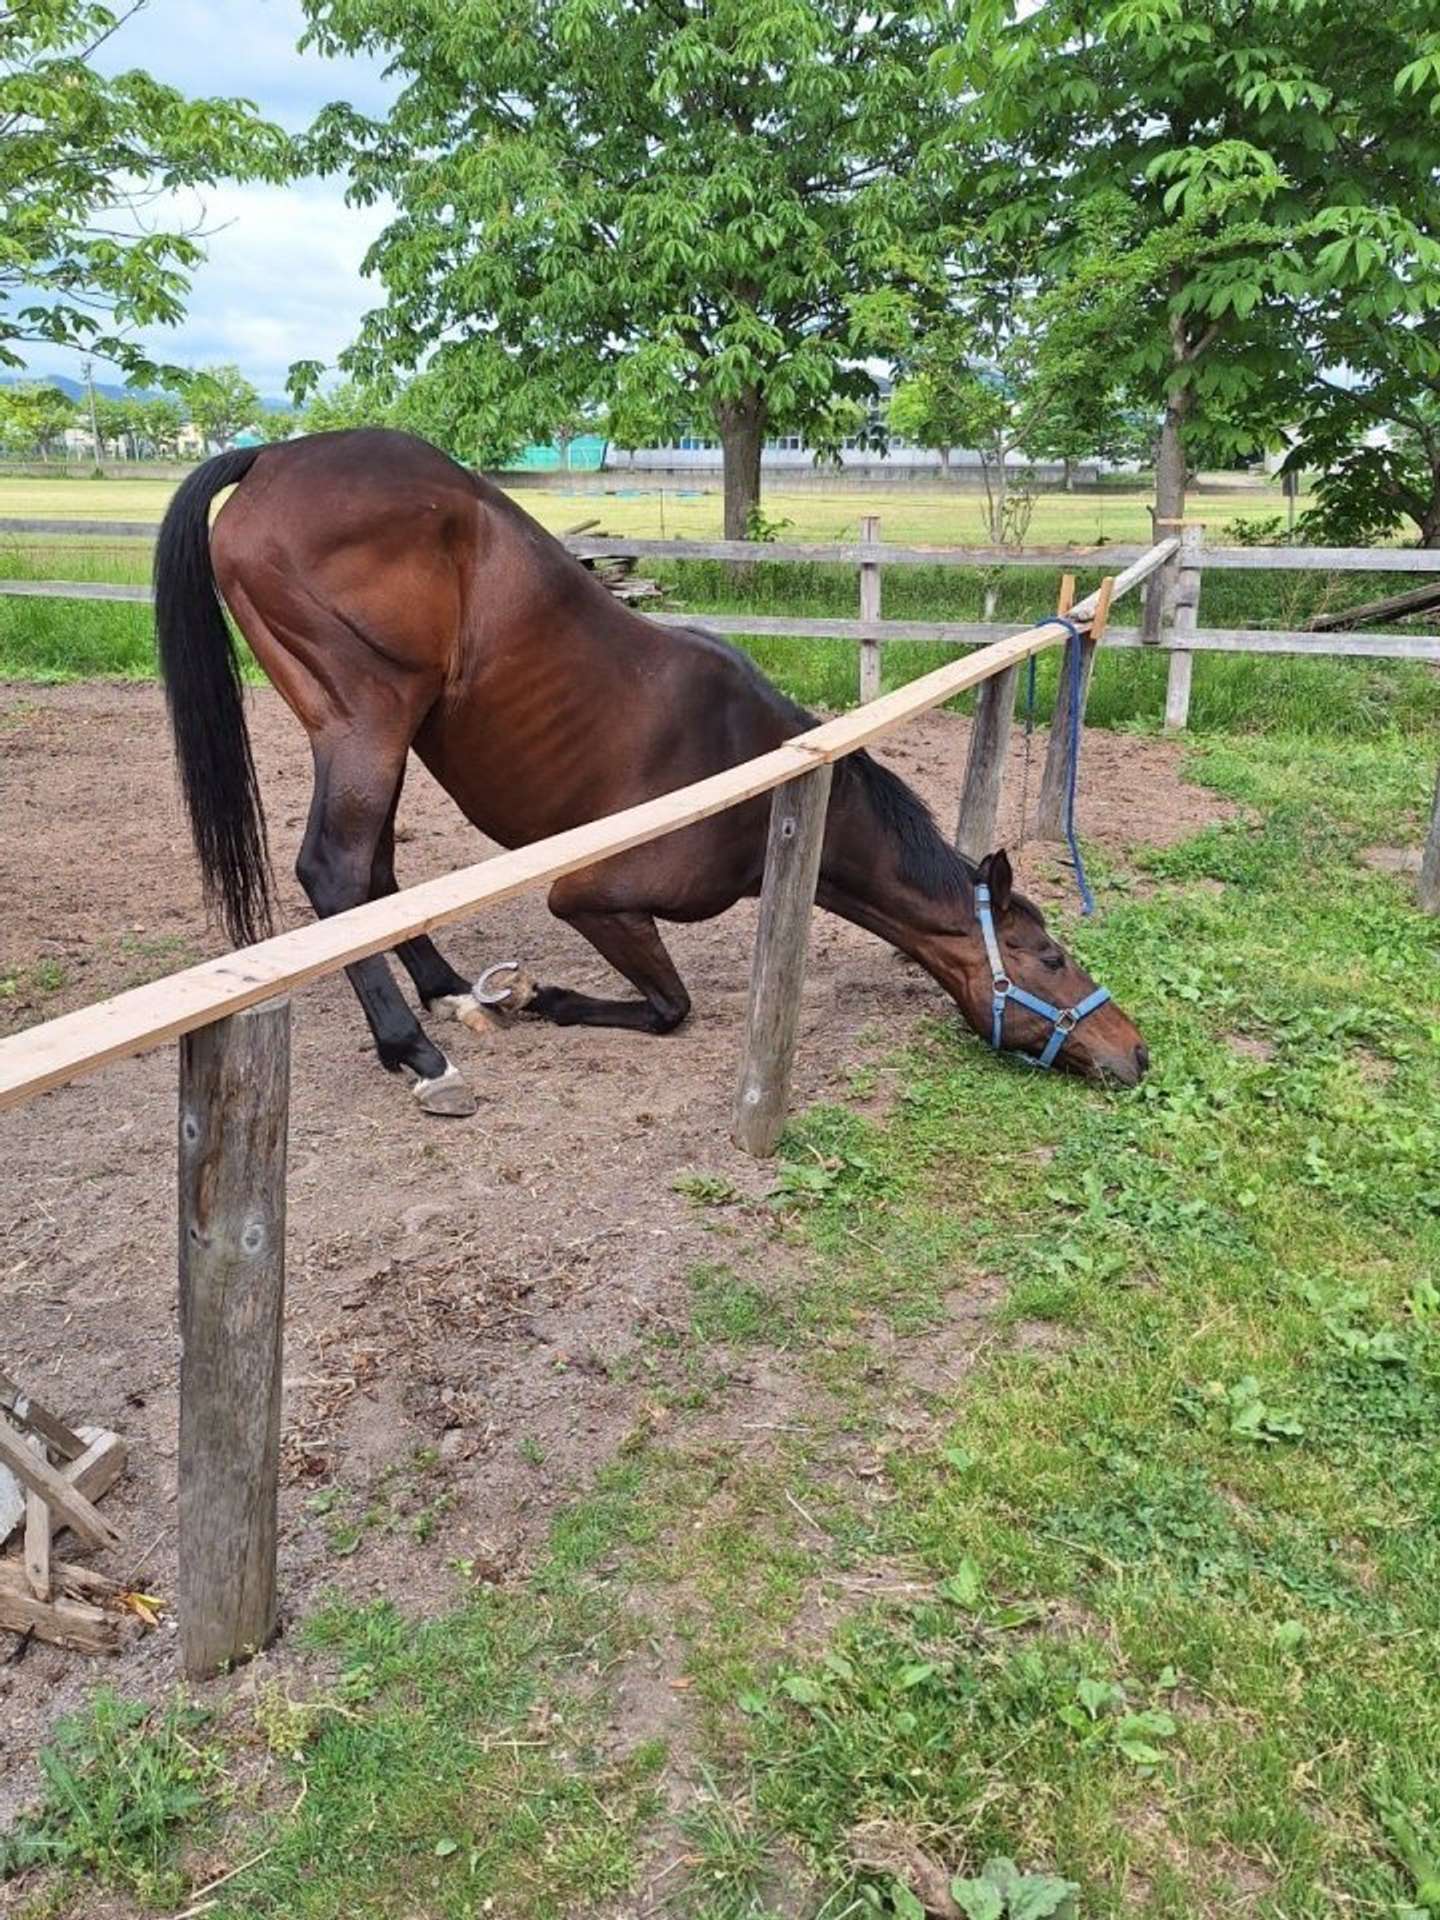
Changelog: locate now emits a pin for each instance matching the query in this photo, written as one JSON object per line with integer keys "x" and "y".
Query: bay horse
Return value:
{"x": 398, "y": 601}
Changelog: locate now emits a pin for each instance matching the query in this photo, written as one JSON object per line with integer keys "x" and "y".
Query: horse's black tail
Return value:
{"x": 207, "y": 709}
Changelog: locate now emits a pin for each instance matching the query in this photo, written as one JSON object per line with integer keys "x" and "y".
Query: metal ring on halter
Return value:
{"x": 494, "y": 997}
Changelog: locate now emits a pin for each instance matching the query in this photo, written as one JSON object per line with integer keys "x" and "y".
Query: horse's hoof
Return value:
{"x": 523, "y": 989}
{"x": 445, "y": 1094}
{"x": 465, "y": 1008}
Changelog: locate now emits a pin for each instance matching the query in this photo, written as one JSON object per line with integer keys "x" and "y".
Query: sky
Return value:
{"x": 282, "y": 281}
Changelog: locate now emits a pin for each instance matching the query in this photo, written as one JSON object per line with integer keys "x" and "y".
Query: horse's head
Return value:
{"x": 1023, "y": 993}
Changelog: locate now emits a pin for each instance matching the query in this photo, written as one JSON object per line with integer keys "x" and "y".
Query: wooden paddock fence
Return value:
{"x": 1170, "y": 622}
{"x": 232, "y": 1018}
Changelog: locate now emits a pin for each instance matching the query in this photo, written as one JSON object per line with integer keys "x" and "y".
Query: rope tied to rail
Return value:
{"x": 1075, "y": 668}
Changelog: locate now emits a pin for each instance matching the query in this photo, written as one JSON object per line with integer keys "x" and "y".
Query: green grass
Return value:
{"x": 1133, "y": 1583}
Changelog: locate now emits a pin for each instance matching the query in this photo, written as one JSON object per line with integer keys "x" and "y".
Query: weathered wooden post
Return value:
{"x": 1055, "y": 781}
{"x": 989, "y": 749}
{"x": 234, "y": 1121}
{"x": 1429, "y": 890}
{"x": 1184, "y": 621}
{"x": 869, "y": 610}
{"x": 777, "y": 973}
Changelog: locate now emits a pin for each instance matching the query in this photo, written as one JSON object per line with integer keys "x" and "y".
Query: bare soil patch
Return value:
{"x": 463, "y": 1296}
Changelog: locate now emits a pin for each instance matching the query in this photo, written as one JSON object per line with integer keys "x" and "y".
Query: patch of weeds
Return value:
{"x": 123, "y": 1784}
{"x": 423, "y": 1524}
{"x": 531, "y": 1451}
{"x": 708, "y": 1189}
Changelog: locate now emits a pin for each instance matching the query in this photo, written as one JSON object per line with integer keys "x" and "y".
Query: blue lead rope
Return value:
{"x": 1075, "y": 667}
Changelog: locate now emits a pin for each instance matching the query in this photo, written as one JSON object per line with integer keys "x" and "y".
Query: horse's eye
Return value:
{"x": 1054, "y": 960}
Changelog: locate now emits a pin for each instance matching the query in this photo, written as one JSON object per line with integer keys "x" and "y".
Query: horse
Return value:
{"x": 398, "y": 601}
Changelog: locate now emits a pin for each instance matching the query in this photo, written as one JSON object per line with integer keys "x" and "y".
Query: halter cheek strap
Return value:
{"x": 1063, "y": 1020}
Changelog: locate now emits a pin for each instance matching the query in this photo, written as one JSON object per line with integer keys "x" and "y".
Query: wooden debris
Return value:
{"x": 76, "y": 1624}
{"x": 37, "y": 1534}
{"x": 42, "y": 1598}
{"x": 615, "y": 570}
{"x": 1392, "y": 607}
{"x": 29, "y": 1412}
{"x": 66, "y": 1501}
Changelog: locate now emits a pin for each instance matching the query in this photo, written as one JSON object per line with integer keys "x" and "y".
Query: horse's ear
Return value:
{"x": 995, "y": 872}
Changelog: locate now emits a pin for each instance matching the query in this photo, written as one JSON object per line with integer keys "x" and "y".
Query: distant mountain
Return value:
{"x": 111, "y": 390}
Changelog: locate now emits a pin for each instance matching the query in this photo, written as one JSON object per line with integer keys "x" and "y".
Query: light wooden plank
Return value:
{"x": 49, "y": 1055}
{"x": 67, "y": 1503}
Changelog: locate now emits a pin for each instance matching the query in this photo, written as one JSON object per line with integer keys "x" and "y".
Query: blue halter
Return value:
{"x": 1063, "y": 1020}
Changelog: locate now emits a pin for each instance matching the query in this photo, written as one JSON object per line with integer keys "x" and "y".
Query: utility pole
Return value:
{"x": 89, "y": 372}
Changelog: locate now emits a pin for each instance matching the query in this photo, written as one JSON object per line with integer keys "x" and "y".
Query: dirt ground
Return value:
{"x": 472, "y": 1287}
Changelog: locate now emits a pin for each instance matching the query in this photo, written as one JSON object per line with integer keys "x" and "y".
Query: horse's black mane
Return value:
{"x": 927, "y": 860}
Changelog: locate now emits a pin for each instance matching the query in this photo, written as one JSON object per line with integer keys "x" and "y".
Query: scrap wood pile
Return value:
{"x": 1395, "y": 606}
{"x": 615, "y": 570}
{"x": 51, "y": 1476}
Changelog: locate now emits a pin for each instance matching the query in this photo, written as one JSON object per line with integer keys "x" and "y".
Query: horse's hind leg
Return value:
{"x": 356, "y": 785}
{"x": 628, "y": 940}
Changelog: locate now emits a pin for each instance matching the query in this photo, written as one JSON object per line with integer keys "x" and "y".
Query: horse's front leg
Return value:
{"x": 356, "y": 784}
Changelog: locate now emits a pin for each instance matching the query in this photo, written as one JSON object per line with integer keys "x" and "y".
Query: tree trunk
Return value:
{"x": 742, "y": 437}
{"x": 1067, "y": 475}
{"x": 1428, "y": 519}
{"x": 1169, "y": 507}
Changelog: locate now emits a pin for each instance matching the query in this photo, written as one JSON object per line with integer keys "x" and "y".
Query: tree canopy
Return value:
{"x": 89, "y": 248}
{"x": 220, "y": 402}
{"x": 1229, "y": 202}
{"x": 704, "y": 214}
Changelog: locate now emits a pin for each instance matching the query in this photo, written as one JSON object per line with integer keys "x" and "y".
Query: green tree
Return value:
{"x": 121, "y": 422}
{"x": 33, "y": 417}
{"x": 713, "y": 213}
{"x": 161, "y": 417}
{"x": 350, "y": 404}
{"x": 1205, "y": 186}
{"x": 220, "y": 402}
{"x": 83, "y": 258}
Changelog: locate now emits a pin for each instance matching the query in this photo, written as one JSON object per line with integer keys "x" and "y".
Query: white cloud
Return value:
{"x": 282, "y": 278}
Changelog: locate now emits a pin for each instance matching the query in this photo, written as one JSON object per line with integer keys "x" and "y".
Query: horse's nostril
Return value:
{"x": 1142, "y": 1057}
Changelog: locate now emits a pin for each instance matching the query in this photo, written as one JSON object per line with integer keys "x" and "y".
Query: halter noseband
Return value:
{"x": 1063, "y": 1020}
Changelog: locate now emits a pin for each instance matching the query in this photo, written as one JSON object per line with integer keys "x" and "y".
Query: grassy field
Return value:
{"x": 921, "y": 515}
{"x": 1134, "y": 1584}
{"x": 50, "y": 640}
